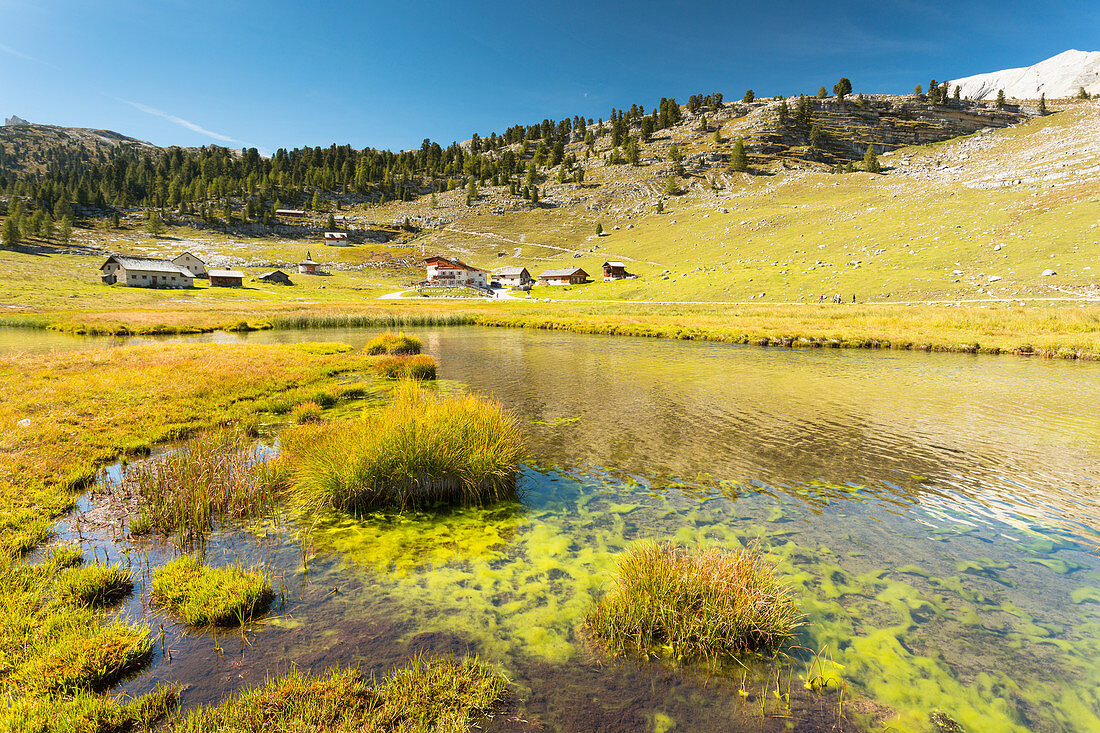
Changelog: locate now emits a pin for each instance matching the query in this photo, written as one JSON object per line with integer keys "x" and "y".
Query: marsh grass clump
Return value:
{"x": 428, "y": 695}
{"x": 203, "y": 596}
{"x": 694, "y": 604}
{"x": 87, "y": 712}
{"x": 419, "y": 449}
{"x": 307, "y": 412}
{"x": 94, "y": 585}
{"x": 393, "y": 343}
{"x": 213, "y": 475}
{"x": 85, "y": 656}
{"x": 419, "y": 367}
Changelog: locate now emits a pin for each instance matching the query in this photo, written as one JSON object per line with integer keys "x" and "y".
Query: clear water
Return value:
{"x": 938, "y": 514}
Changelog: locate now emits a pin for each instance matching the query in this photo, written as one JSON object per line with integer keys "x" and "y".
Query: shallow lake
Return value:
{"x": 938, "y": 514}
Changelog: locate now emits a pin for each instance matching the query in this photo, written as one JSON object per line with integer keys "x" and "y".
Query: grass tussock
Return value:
{"x": 95, "y": 585}
{"x": 307, "y": 412}
{"x": 85, "y": 712}
{"x": 426, "y": 696}
{"x": 694, "y": 604}
{"x": 418, "y": 367}
{"x": 417, "y": 450}
{"x": 203, "y": 596}
{"x": 212, "y": 476}
{"x": 82, "y": 661}
{"x": 393, "y": 343}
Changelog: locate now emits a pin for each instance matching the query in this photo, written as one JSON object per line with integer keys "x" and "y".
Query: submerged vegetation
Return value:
{"x": 419, "y": 367}
{"x": 425, "y": 696}
{"x": 214, "y": 475}
{"x": 203, "y": 596}
{"x": 419, "y": 449}
{"x": 684, "y": 604}
{"x": 393, "y": 343}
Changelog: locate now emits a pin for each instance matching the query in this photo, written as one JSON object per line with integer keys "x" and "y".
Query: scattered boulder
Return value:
{"x": 1048, "y": 272}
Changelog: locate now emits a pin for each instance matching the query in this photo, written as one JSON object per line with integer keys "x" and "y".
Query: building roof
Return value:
{"x": 225, "y": 273}
{"x": 336, "y": 235}
{"x": 613, "y": 263}
{"x": 273, "y": 273}
{"x": 511, "y": 270}
{"x": 456, "y": 264}
{"x": 290, "y": 212}
{"x": 187, "y": 253}
{"x": 146, "y": 264}
{"x": 565, "y": 272}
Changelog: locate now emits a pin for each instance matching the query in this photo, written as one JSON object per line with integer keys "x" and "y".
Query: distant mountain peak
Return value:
{"x": 15, "y": 120}
{"x": 1059, "y": 76}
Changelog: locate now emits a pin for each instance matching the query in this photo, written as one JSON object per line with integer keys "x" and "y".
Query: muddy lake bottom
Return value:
{"x": 937, "y": 514}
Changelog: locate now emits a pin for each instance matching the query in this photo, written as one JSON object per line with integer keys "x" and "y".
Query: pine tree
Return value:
{"x": 749, "y": 96}
{"x": 672, "y": 188}
{"x": 65, "y": 230}
{"x": 599, "y": 228}
{"x": 842, "y": 88}
{"x": 434, "y": 202}
{"x": 633, "y": 153}
{"x": 11, "y": 233}
{"x": 471, "y": 191}
{"x": 535, "y": 195}
{"x": 784, "y": 112}
{"x": 738, "y": 160}
{"x": 154, "y": 224}
{"x": 315, "y": 202}
{"x": 822, "y": 93}
{"x": 918, "y": 90}
{"x": 660, "y": 207}
{"x": 958, "y": 92}
{"x": 330, "y": 223}
{"x": 674, "y": 154}
{"x": 580, "y": 176}
{"x": 1082, "y": 94}
{"x": 1000, "y": 99}
{"x": 1043, "y": 104}
{"x": 870, "y": 160}
{"x": 816, "y": 137}
{"x": 718, "y": 135}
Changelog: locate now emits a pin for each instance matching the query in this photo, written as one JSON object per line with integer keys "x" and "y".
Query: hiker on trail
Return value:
{"x": 853, "y": 298}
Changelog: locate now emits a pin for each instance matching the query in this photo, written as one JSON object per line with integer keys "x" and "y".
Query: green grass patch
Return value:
{"x": 307, "y": 412}
{"x": 427, "y": 695}
{"x": 420, "y": 367}
{"x": 694, "y": 604}
{"x": 95, "y": 584}
{"x": 419, "y": 449}
{"x": 85, "y": 712}
{"x": 203, "y": 596}
{"x": 393, "y": 343}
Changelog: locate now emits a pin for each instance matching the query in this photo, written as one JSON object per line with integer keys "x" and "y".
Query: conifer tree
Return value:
{"x": 749, "y": 96}
{"x": 154, "y": 224}
{"x": 870, "y": 160}
{"x": 738, "y": 160}
{"x": 784, "y": 112}
{"x": 958, "y": 92}
{"x": 842, "y": 88}
{"x": 315, "y": 202}
{"x": 65, "y": 230}
{"x": 1082, "y": 94}
{"x": 11, "y": 233}
{"x": 471, "y": 191}
{"x": 599, "y": 228}
{"x": 660, "y": 206}
{"x": 822, "y": 93}
{"x": 1043, "y": 104}
{"x": 330, "y": 223}
{"x": 816, "y": 137}
{"x": 674, "y": 154}
{"x": 535, "y": 195}
{"x": 1000, "y": 99}
{"x": 918, "y": 90}
{"x": 672, "y": 188}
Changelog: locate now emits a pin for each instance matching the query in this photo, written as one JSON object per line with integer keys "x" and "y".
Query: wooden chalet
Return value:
{"x": 613, "y": 270}
{"x": 277, "y": 277}
{"x": 144, "y": 272}
{"x": 290, "y": 213}
{"x": 565, "y": 276}
{"x": 226, "y": 279}
{"x": 336, "y": 239}
{"x": 442, "y": 271}
{"x": 513, "y": 277}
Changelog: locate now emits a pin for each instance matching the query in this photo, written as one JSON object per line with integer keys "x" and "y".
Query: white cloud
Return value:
{"x": 182, "y": 122}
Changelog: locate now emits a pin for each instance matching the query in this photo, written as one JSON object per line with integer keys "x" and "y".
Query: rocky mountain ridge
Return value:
{"x": 1058, "y": 77}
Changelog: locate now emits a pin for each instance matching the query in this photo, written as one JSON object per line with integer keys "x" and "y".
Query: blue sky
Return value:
{"x": 387, "y": 75}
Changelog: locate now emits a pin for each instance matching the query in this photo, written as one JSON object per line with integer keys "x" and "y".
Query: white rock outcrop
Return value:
{"x": 1057, "y": 77}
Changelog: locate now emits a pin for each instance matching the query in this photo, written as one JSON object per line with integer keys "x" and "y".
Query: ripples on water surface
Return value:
{"x": 938, "y": 513}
